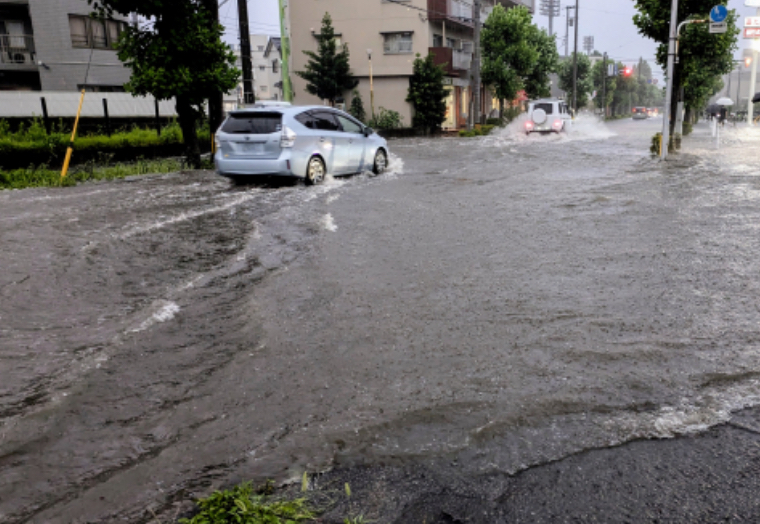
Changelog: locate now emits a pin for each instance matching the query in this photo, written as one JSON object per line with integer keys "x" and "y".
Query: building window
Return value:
{"x": 262, "y": 68}
{"x": 263, "y": 89}
{"x": 437, "y": 41}
{"x": 275, "y": 66}
{"x": 451, "y": 42}
{"x": 261, "y": 49}
{"x": 79, "y": 35}
{"x": 397, "y": 43}
{"x": 92, "y": 33}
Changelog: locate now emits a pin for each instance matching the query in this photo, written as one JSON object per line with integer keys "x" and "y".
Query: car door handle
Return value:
{"x": 321, "y": 139}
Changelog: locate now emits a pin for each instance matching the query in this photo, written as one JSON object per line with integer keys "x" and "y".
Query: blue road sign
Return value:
{"x": 718, "y": 14}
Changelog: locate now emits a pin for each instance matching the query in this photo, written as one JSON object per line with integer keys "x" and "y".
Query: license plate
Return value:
{"x": 255, "y": 148}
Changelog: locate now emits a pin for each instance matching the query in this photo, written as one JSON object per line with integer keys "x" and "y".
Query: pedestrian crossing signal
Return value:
{"x": 747, "y": 61}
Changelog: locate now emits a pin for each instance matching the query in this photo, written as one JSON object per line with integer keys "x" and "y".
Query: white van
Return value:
{"x": 548, "y": 115}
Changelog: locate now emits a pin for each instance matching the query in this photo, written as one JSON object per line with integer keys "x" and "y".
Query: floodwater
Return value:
{"x": 497, "y": 303}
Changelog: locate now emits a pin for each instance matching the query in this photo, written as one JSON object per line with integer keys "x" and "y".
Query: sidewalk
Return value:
{"x": 707, "y": 478}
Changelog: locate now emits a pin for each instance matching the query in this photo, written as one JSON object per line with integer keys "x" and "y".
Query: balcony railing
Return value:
{"x": 17, "y": 49}
{"x": 456, "y": 11}
{"x": 454, "y": 60}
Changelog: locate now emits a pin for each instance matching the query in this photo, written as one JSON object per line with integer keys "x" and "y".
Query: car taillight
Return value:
{"x": 529, "y": 125}
{"x": 634, "y": 110}
{"x": 288, "y": 137}
{"x": 558, "y": 123}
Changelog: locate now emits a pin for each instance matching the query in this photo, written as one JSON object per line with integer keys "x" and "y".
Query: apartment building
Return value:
{"x": 266, "y": 58}
{"x": 47, "y": 45}
{"x": 390, "y": 34}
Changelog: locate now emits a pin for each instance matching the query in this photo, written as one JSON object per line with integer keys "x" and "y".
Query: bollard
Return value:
{"x": 45, "y": 117}
{"x": 108, "y": 119}
{"x": 158, "y": 118}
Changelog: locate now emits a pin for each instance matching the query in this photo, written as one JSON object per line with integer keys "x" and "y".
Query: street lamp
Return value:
{"x": 371, "y": 86}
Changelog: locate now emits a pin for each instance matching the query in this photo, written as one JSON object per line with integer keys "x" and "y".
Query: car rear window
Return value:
{"x": 548, "y": 108}
{"x": 250, "y": 123}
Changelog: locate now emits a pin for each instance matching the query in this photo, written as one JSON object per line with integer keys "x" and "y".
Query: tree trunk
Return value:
{"x": 501, "y": 109}
{"x": 187, "y": 120}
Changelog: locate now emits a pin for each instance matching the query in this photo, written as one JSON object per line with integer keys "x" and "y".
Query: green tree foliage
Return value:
{"x": 179, "y": 54}
{"x": 508, "y": 53}
{"x": 537, "y": 82}
{"x": 584, "y": 83}
{"x": 328, "y": 73}
{"x": 427, "y": 94}
{"x": 598, "y": 73}
{"x": 357, "y": 107}
{"x": 704, "y": 57}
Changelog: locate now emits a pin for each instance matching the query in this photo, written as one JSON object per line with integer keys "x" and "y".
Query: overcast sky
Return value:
{"x": 610, "y": 22}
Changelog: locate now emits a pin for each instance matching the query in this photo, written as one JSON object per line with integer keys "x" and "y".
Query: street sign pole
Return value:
{"x": 669, "y": 90}
{"x": 752, "y": 81}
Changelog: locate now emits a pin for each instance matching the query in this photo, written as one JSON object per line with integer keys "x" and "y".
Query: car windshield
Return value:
{"x": 250, "y": 123}
{"x": 547, "y": 107}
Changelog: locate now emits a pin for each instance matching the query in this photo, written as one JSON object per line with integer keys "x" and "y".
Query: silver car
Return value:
{"x": 306, "y": 142}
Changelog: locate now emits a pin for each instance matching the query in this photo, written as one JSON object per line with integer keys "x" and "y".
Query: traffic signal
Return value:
{"x": 747, "y": 61}
{"x": 628, "y": 71}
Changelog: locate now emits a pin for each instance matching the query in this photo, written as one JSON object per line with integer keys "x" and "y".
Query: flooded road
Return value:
{"x": 495, "y": 303}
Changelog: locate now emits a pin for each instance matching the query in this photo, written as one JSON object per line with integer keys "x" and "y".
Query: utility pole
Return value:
{"x": 476, "y": 63}
{"x": 567, "y": 29}
{"x": 245, "y": 53}
{"x": 575, "y": 64}
{"x": 671, "y": 73}
{"x": 604, "y": 86}
{"x": 752, "y": 82}
{"x": 287, "y": 88}
{"x": 215, "y": 97}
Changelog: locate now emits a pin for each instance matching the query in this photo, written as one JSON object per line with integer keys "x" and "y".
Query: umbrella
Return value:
{"x": 756, "y": 98}
{"x": 725, "y": 101}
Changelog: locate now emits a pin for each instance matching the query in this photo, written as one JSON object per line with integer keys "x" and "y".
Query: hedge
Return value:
{"x": 32, "y": 146}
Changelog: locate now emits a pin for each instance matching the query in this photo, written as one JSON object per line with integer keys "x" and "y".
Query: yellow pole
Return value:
{"x": 71, "y": 142}
{"x": 660, "y": 145}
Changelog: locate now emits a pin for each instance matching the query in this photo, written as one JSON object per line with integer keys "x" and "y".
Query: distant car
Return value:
{"x": 548, "y": 115}
{"x": 307, "y": 142}
{"x": 640, "y": 113}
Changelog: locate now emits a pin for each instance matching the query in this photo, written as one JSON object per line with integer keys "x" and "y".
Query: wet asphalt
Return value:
{"x": 499, "y": 329}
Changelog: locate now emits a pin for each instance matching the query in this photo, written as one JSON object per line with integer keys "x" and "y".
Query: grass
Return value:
{"x": 245, "y": 505}
{"x": 43, "y": 176}
{"x": 241, "y": 505}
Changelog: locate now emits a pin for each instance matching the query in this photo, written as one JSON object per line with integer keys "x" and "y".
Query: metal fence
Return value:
{"x": 64, "y": 104}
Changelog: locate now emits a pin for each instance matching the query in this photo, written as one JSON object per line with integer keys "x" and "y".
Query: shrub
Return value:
{"x": 357, "y": 107}
{"x": 386, "y": 119}
{"x": 476, "y": 131}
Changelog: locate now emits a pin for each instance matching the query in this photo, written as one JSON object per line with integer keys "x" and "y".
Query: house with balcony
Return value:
{"x": 56, "y": 46}
{"x": 389, "y": 35}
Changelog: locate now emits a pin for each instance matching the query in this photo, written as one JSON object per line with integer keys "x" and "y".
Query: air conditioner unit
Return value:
{"x": 22, "y": 57}
{"x": 466, "y": 47}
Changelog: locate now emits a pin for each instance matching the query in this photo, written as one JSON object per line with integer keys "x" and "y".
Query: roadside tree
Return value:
{"x": 704, "y": 57}
{"x": 427, "y": 94}
{"x": 328, "y": 73}
{"x": 598, "y": 73}
{"x": 537, "y": 82}
{"x": 179, "y": 54}
{"x": 509, "y": 53}
{"x": 584, "y": 83}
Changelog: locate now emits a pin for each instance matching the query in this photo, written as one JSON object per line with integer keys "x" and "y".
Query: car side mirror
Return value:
{"x": 367, "y": 131}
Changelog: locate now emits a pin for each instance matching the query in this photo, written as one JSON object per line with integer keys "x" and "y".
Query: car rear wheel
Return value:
{"x": 315, "y": 172}
{"x": 381, "y": 162}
